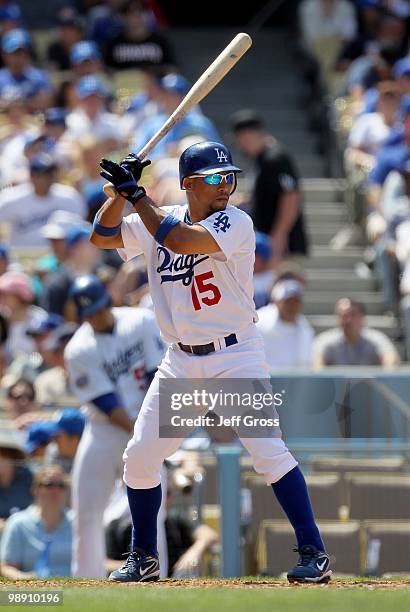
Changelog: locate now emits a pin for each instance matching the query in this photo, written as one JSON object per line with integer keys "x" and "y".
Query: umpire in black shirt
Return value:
{"x": 276, "y": 199}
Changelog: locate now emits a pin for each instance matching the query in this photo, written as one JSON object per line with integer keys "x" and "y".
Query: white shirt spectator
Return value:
{"x": 14, "y": 165}
{"x": 338, "y": 21}
{"x": 287, "y": 345}
{"x": 27, "y": 213}
{"x": 369, "y": 133}
{"x": 104, "y": 126}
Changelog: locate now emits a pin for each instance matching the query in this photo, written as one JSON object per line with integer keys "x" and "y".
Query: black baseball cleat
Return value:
{"x": 139, "y": 566}
{"x": 313, "y": 566}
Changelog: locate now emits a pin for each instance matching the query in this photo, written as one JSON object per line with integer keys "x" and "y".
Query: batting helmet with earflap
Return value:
{"x": 89, "y": 295}
{"x": 205, "y": 158}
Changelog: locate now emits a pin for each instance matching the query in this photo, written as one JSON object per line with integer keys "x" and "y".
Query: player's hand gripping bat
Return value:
{"x": 206, "y": 82}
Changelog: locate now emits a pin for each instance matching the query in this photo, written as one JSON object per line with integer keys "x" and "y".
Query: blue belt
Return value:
{"x": 205, "y": 349}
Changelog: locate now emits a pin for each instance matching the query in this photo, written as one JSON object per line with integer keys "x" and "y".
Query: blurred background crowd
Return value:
{"x": 332, "y": 236}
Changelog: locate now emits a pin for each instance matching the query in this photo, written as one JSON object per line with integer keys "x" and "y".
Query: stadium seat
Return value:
{"x": 378, "y": 496}
{"x": 352, "y": 464}
{"x": 326, "y": 493}
{"x": 388, "y": 545}
{"x": 276, "y": 541}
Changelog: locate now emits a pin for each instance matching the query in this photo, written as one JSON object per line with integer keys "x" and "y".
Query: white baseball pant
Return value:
{"x": 146, "y": 451}
{"x": 97, "y": 465}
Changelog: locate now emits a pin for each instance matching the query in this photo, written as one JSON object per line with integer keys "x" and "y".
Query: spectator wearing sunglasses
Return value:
{"x": 20, "y": 399}
{"x": 36, "y": 542}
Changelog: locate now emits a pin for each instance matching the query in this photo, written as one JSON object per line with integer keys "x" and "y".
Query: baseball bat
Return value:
{"x": 206, "y": 82}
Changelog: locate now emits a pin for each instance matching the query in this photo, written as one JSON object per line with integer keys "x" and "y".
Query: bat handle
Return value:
{"x": 109, "y": 190}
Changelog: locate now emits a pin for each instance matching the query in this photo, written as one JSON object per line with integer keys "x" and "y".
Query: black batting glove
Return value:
{"x": 133, "y": 164}
{"x": 122, "y": 179}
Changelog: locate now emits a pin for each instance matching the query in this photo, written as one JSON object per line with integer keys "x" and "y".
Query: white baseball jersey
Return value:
{"x": 27, "y": 213}
{"x": 117, "y": 362}
{"x": 199, "y": 298}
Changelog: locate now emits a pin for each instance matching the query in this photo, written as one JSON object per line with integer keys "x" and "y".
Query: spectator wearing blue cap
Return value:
{"x": 52, "y": 384}
{"x": 38, "y": 437}
{"x": 263, "y": 275}
{"x": 287, "y": 334}
{"x": 69, "y": 33}
{"x": 369, "y": 134}
{"x": 68, "y": 428}
{"x": 37, "y": 541}
{"x": 85, "y": 58}
{"x": 145, "y": 104}
{"x": 42, "y": 195}
{"x": 29, "y": 366}
{"x": 18, "y": 72}
{"x": 90, "y": 117}
{"x": 390, "y": 158}
{"x": 82, "y": 258}
{"x": 401, "y": 72}
{"x": 136, "y": 45}
{"x": 174, "y": 87}
{"x": 381, "y": 44}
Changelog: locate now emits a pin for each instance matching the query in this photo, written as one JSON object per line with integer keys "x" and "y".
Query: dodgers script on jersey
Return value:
{"x": 100, "y": 363}
{"x": 199, "y": 298}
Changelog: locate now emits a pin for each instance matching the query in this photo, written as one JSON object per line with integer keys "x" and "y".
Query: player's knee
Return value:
{"x": 141, "y": 466}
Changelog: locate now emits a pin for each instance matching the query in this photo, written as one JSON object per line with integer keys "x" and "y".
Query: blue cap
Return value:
{"x": 175, "y": 83}
{"x": 10, "y": 12}
{"x": 402, "y": 67}
{"x": 42, "y": 163}
{"x": 44, "y": 324}
{"x": 38, "y": 434}
{"x": 70, "y": 421}
{"x": 59, "y": 337}
{"x": 55, "y": 115}
{"x": 263, "y": 245}
{"x": 76, "y": 234}
{"x": 84, "y": 50}
{"x": 4, "y": 252}
{"x": 14, "y": 40}
{"x": 89, "y": 85}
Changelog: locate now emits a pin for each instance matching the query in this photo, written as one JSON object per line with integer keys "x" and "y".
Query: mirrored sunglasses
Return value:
{"x": 216, "y": 179}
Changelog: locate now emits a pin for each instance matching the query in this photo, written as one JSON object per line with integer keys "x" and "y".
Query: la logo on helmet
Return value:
{"x": 221, "y": 156}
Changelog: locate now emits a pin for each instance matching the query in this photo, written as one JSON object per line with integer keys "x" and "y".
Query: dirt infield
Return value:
{"x": 212, "y": 583}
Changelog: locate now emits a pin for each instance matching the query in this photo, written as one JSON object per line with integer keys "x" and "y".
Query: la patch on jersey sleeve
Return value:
{"x": 232, "y": 229}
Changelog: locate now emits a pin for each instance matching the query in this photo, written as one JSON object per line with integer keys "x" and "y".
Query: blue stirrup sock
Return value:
{"x": 144, "y": 507}
{"x": 292, "y": 494}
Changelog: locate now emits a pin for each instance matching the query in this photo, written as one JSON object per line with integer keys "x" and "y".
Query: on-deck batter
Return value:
{"x": 111, "y": 360}
{"x": 200, "y": 260}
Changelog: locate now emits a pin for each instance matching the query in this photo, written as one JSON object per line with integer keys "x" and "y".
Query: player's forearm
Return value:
{"x": 120, "y": 418}
{"x": 204, "y": 536}
{"x": 11, "y": 572}
{"x": 287, "y": 214}
{"x": 109, "y": 215}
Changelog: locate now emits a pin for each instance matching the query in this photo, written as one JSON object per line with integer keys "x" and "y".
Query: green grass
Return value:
{"x": 224, "y": 599}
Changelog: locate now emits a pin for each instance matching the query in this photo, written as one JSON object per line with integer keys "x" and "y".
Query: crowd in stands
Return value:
{"x": 99, "y": 86}
{"x": 363, "y": 50}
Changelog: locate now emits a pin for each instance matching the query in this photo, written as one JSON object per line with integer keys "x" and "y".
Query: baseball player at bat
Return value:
{"x": 111, "y": 360}
{"x": 200, "y": 259}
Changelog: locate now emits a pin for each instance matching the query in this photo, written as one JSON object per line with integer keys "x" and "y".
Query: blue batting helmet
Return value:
{"x": 205, "y": 158}
{"x": 89, "y": 295}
